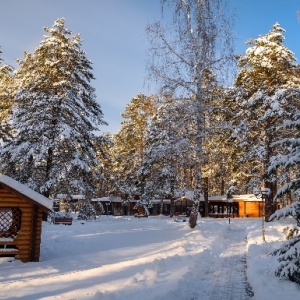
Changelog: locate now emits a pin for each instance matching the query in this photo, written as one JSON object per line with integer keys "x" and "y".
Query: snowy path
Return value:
{"x": 231, "y": 281}
{"x": 221, "y": 275}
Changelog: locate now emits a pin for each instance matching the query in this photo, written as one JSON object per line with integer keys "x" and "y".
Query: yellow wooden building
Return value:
{"x": 239, "y": 206}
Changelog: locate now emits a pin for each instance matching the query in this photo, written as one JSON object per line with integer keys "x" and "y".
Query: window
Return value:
{"x": 10, "y": 222}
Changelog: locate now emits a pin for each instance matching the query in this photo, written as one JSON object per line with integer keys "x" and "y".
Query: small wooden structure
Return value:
{"x": 142, "y": 211}
{"x": 62, "y": 220}
{"x": 21, "y": 212}
{"x": 160, "y": 206}
{"x": 183, "y": 206}
{"x": 115, "y": 205}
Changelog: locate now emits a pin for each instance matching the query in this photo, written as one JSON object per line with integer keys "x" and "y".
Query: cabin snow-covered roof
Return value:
{"x": 74, "y": 197}
{"x": 109, "y": 199}
{"x": 246, "y": 197}
{"x": 26, "y": 191}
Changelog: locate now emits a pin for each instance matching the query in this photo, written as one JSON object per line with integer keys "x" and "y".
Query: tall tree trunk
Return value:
{"x": 48, "y": 170}
{"x": 205, "y": 194}
{"x": 222, "y": 186}
{"x": 199, "y": 152}
{"x": 269, "y": 178}
{"x": 161, "y": 207}
{"x": 172, "y": 208}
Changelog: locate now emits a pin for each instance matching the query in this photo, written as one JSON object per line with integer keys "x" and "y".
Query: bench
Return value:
{"x": 62, "y": 220}
{"x": 8, "y": 248}
{"x": 140, "y": 216}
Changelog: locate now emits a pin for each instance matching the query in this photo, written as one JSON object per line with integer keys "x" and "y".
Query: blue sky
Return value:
{"x": 114, "y": 37}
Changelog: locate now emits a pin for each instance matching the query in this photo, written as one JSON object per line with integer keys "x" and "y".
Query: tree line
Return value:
{"x": 195, "y": 130}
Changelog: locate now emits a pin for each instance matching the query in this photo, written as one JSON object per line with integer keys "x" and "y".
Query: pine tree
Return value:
{"x": 55, "y": 116}
{"x": 289, "y": 252}
{"x": 104, "y": 171}
{"x": 261, "y": 99}
{"x": 6, "y": 95}
{"x": 169, "y": 151}
{"x": 289, "y": 158}
{"x": 129, "y": 145}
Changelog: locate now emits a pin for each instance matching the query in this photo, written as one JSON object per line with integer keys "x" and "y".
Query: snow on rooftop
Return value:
{"x": 78, "y": 197}
{"x": 26, "y": 191}
{"x": 61, "y": 196}
{"x": 158, "y": 201}
{"x": 74, "y": 197}
{"x": 109, "y": 199}
{"x": 98, "y": 199}
{"x": 246, "y": 197}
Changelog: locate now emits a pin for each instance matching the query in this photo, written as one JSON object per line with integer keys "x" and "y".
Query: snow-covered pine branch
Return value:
{"x": 292, "y": 210}
{"x": 289, "y": 260}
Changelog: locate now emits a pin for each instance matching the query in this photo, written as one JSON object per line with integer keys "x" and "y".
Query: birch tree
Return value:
{"x": 198, "y": 39}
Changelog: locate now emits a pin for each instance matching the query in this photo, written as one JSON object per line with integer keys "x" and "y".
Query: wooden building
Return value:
{"x": 239, "y": 206}
{"x": 160, "y": 206}
{"x": 21, "y": 212}
{"x": 183, "y": 206}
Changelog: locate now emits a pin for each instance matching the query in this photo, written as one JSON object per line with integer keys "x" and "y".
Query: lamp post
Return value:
{"x": 228, "y": 200}
{"x": 229, "y": 197}
{"x": 107, "y": 204}
{"x": 264, "y": 193}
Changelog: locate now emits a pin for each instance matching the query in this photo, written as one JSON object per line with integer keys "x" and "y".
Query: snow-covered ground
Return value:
{"x": 122, "y": 258}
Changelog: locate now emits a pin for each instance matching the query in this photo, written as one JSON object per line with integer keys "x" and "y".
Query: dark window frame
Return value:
{"x": 10, "y": 221}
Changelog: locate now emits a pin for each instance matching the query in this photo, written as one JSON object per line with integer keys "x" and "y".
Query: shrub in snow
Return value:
{"x": 99, "y": 208}
{"x": 142, "y": 209}
{"x": 230, "y": 192}
{"x": 289, "y": 252}
{"x": 291, "y": 232}
{"x": 87, "y": 212}
{"x": 193, "y": 217}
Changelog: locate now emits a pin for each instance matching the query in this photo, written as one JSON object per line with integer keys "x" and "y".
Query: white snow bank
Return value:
{"x": 262, "y": 265}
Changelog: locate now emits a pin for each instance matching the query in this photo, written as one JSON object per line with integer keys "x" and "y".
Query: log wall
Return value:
{"x": 250, "y": 209}
{"x": 28, "y": 239}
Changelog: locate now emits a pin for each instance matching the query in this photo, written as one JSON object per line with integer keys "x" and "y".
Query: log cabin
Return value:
{"x": 239, "y": 206}
{"x": 21, "y": 212}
